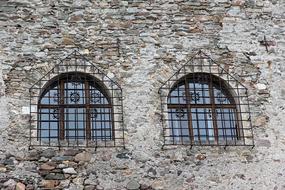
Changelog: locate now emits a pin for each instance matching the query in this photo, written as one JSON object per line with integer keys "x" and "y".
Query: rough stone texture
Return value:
{"x": 140, "y": 44}
{"x": 69, "y": 171}
{"x": 133, "y": 185}
{"x": 83, "y": 157}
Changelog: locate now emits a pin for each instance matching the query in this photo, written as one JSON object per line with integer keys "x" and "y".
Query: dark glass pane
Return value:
{"x": 220, "y": 96}
{"x": 96, "y": 97}
{"x": 48, "y": 130}
{"x": 51, "y": 114}
{"x": 74, "y": 93}
{"x": 48, "y": 121}
{"x": 199, "y": 93}
{"x": 177, "y": 96}
{"x": 51, "y": 97}
{"x": 74, "y": 123}
{"x": 226, "y": 124}
{"x": 101, "y": 123}
{"x": 202, "y": 124}
{"x": 178, "y": 122}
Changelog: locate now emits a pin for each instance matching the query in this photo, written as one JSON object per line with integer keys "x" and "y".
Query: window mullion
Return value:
{"x": 61, "y": 110}
{"x": 87, "y": 101}
{"x": 213, "y": 107}
{"x": 188, "y": 103}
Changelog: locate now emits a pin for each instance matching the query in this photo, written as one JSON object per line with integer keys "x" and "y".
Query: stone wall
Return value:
{"x": 140, "y": 44}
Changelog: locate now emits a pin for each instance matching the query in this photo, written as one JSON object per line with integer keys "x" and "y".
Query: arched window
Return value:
{"x": 202, "y": 110}
{"x": 75, "y": 106}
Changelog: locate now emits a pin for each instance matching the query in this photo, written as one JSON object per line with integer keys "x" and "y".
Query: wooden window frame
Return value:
{"x": 88, "y": 81}
{"x": 211, "y": 81}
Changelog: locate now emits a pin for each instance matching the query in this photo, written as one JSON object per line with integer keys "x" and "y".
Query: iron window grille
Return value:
{"x": 202, "y": 104}
{"x": 76, "y": 105}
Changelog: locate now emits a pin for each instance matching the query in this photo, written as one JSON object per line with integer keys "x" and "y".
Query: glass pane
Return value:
{"x": 220, "y": 97}
{"x": 48, "y": 124}
{"x": 51, "y": 96}
{"x": 96, "y": 97}
{"x": 101, "y": 123}
{"x": 199, "y": 93}
{"x": 178, "y": 123}
{"x": 48, "y": 130}
{"x": 177, "y": 96}
{"x": 74, "y": 123}
{"x": 202, "y": 124}
{"x": 226, "y": 124}
{"x": 49, "y": 114}
{"x": 74, "y": 93}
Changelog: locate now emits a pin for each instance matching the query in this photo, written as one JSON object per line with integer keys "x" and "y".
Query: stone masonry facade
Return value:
{"x": 140, "y": 44}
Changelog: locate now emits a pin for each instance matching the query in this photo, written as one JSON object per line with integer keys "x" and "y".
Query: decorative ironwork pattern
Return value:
{"x": 202, "y": 104}
{"x": 74, "y": 97}
{"x": 76, "y": 105}
{"x": 55, "y": 114}
{"x": 95, "y": 97}
{"x": 180, "y": 113}
{"x": 195, "y": 96}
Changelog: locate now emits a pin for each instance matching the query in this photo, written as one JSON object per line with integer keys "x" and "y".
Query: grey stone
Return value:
{"x": 61, "y": 166}
{"x": 179, "y": 172}
{"x": 145, "y": 187}
{"x": 99, "y": 187}
{"x": 70, "y": 152}
{"x": 62, "y": 158}
{"x": 133, "y": 185}
{"x": 78, "y": 181}
{"x": 43, "y": 159}
{"x": 141, "y": 156}
{"x": 20, "y": 186}
{"x": 84, "y": 157}
{"x": 9, "y": 161}
{"x": 90, "y": 187}
{"x": 48, "y": 153}
{"x": 158, "y": 185}
{"x": 250, "y": 3}
{"x": 3, "y": 169}
{"x": 124, "y": 155}
{"x": 151, "y": 171}
{"x": 10, "y": 183}
{"x": 69, "y": 171}
{"x": 33, "y": 155}
{"x": 49, "y": 184}
{"x": 64, "y": 183}
{"x": 263, "y": 143}
{"x": 47, "y": 166}
{"x": 54, "y": 176}
{"x": 92, "y": 180}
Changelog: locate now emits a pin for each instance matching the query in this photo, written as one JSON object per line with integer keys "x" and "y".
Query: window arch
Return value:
{"x": 75, "y": 106}
{"x": 203, "y": 104}
{"x": 202, "y": 110}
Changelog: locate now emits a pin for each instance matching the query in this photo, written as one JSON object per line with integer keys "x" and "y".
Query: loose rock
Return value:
{"x": 20, "y": 186}
{"x": 48, "y": 153}
{"x": 47, "y": 167}
{"x": 84, "y": 157}
{"x": 69, "y": 171}
{"x": 133, "y": 185}
{"x": 49, "y": 183}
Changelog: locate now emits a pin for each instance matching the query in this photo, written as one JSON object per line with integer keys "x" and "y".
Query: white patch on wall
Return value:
{"x": 27, "y": 109}
{"x": 260, "y": 86}
{"x": 4, "y": 118}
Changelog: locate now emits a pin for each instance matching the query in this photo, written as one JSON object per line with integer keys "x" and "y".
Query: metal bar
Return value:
{"x": 61, "y": 111}
{"x": 189, "y": 113}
